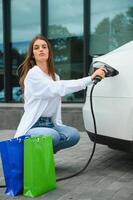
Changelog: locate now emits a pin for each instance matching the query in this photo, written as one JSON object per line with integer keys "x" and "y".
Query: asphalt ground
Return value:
{"x": 108, "y": 177}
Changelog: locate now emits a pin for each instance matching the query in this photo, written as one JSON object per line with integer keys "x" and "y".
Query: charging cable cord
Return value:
{"x": 97, "y": 79}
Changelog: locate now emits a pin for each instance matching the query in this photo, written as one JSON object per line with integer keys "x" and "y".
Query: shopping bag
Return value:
{"x": 39, "y": 168}
{"x": 12, "y": 161}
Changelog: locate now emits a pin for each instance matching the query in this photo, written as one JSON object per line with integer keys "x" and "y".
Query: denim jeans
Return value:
{"x": 62, "y": 136}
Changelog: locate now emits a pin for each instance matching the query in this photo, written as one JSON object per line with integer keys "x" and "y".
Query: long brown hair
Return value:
{"x": 29, "y": 61}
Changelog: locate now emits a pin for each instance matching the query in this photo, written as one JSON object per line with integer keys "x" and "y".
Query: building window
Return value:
{"x": 2, "y": 94}
{"x": 25, "y": 24}
{"x": 111, "y": 25}
{"x": 65, "y": 31}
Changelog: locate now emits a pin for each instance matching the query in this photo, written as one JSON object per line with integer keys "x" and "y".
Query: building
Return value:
{"x": 77, "y": 29}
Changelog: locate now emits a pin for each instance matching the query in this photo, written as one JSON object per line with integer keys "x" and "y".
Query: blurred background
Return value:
{"x": 78, "y": 31}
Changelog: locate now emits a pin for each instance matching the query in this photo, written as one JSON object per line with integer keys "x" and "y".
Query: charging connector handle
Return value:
{"x": 97, "y": 79}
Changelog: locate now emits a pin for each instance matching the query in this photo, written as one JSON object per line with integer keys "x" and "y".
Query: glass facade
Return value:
{"x": 65, "y": 31}
{"x": 24, "y": 26}
{"x": 111, "y": 25}
{"x": 67, "y": 24}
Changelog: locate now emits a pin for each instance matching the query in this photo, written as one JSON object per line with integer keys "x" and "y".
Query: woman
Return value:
{"x": 42, "y": 96}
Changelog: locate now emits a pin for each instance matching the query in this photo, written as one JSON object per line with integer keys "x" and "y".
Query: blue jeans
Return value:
{"x": 62, "y": 136}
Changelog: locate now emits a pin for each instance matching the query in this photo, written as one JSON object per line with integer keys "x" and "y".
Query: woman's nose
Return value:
{"x": 41, "y": 49}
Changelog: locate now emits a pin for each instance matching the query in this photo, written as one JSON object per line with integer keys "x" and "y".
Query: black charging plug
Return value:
{"x": 97, "y": 79}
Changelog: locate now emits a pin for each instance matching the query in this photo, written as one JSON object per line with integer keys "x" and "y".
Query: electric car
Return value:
{"x": 112, "y": 101}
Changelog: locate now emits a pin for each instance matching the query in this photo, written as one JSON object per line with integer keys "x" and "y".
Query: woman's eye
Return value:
{"x": 36, "y": 47}
{"x": 39, "y": 47}
{"x": 43, "y": 47}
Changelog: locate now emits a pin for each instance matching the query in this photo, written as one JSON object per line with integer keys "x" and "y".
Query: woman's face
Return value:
{"x": 40, "y": 51}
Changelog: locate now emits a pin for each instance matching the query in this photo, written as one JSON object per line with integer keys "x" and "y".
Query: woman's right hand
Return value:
{"x": 99, "y": 72}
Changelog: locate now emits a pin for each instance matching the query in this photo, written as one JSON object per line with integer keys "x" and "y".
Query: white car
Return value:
{"x": 113, "y": 102}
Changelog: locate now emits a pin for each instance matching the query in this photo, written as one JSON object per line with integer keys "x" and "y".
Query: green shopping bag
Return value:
{"x": 39, "y": 168}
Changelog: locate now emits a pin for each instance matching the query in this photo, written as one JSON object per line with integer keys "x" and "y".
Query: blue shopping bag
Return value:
{"x": 12, "y": 161}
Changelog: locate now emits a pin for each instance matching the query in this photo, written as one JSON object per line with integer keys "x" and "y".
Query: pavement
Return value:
{"x": 108, "y": 177}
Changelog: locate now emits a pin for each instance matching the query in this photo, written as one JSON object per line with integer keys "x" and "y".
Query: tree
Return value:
{"x": 58, "y": 31}
{"x": 110, "y": 34}
{"x": 100, "y": 38}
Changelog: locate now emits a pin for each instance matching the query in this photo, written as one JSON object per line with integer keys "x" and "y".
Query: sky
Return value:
{"x": 68, "y": 13}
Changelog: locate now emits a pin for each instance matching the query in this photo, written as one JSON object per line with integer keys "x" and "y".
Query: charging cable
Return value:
{"x": 2, "y": 186}
{"x": 96, "y": 80}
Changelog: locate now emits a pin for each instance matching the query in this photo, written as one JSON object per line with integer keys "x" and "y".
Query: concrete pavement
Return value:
{"x": 108, "y": 177}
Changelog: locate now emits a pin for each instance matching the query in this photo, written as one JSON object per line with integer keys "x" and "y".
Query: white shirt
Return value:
{"x": 43, "y": 97}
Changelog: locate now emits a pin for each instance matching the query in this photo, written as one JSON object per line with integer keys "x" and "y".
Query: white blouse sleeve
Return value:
{"x": 43, "y": 87}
